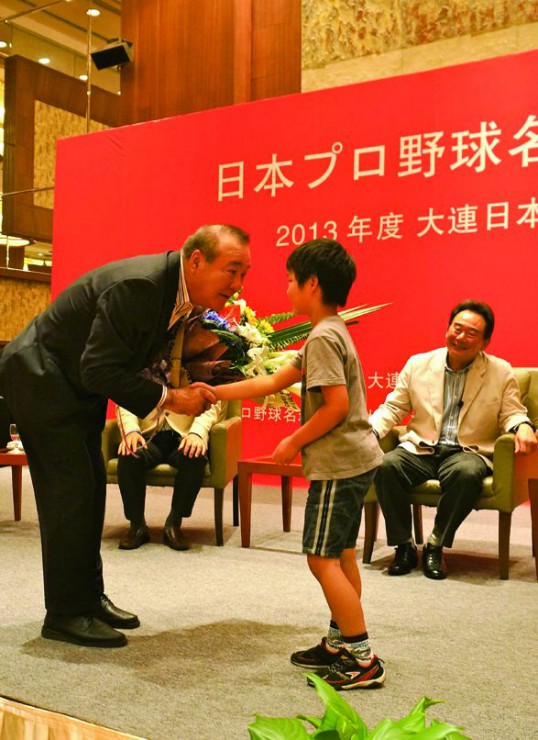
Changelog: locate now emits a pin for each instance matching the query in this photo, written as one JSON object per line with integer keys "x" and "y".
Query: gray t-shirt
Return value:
{"x": 329, "y": 358}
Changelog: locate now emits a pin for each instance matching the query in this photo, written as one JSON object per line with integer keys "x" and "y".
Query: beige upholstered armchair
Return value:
{"x": 502, "y": 491}
{"x": 224, "y": 452}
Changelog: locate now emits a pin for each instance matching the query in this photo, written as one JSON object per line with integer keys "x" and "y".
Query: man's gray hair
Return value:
{"x": 207, "y": 238}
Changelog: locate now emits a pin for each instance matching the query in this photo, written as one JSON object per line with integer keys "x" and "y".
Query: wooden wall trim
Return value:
{"x": 196, "y": 55}
{"x": 26, "y": 82}
{"x": 36, "y": 277}
{"x": 242, "y": 51}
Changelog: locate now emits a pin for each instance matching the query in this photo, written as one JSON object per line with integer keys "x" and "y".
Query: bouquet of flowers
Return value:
{"x": 236, "y": 344}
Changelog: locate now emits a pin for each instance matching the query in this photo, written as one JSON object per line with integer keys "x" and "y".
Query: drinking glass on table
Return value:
{"x": 15, "y": 438}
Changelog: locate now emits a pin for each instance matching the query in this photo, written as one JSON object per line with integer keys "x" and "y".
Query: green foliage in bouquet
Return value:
{"x": 341, "y": 722}
{"x": 281, "y": 338}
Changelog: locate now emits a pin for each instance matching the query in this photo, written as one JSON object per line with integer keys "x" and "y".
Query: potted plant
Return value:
{"x": 341, "y": 722}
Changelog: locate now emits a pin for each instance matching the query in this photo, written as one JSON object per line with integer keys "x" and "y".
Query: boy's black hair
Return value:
{"x": 479, "y": 307}
{"x": 327, "y": 260}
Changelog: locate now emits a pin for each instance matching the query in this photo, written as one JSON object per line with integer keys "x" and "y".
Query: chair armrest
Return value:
{"x": 504, "y": 449}
{"x": 391, "y": 440}
{"x": 522, "y": 468}
{"x": 225, "y": 440}
{"x": 110, "y": 440}
{"x": 503, "y": 473}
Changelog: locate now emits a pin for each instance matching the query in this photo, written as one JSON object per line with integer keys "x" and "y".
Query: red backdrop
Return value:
{"x": 429, "y": 179}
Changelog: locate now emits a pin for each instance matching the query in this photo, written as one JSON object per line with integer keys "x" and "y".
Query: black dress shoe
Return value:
{"x": 134, "y": 538}
{"x": 405, "y": 560}
{"x": 173, "y": 538}
{"x": 433, "y": 563}
{"x": 86, "y": 631}
{"x": 110, "y": 614}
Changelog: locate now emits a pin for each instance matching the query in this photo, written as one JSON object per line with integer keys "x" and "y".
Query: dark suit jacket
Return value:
{"x": 91, "y": 343}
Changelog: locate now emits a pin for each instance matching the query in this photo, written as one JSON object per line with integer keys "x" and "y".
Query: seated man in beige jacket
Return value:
{"x": 461, "y": 400}
{"x": 162, "y": 437}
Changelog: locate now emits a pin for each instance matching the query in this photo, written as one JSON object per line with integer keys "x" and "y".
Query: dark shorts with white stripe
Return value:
{"x": 333, "y": 514}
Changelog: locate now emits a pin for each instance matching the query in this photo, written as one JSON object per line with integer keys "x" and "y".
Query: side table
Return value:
{"x": 264, "y": 465}
{"x": 16, "y": 460}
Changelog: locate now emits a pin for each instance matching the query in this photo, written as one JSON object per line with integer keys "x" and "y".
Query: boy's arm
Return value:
{"x": 264, "y": 385}
{"x": 334, "y": 410}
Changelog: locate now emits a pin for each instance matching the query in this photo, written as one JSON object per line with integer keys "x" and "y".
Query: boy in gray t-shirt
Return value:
{"x": 340, "y": 456}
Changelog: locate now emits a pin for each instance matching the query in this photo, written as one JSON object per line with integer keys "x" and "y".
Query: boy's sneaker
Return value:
{"x": 349, "y": 673}
{"x": 316, "y": 657}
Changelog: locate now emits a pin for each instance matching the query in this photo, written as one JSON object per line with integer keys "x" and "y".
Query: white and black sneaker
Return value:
{"x": 349, "y": 673}
{"x": 316, "y": 657}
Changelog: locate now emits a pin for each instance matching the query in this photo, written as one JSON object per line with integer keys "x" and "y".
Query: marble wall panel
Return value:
{"x": 20, "y": 301}
{"x": 338, "y": 30}
{"x": 343, "y": 29}
{"x": 424, "y": 21}
{"x": 523, "y": 11}
{"x": 442, "y": 53}
{"x": 50, "y": 124}
{"x": 488, "y": 16}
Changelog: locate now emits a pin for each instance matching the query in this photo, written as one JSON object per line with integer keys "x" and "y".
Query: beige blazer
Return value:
{"x": 180, "y": 423}
{"x": 491, "y": 403}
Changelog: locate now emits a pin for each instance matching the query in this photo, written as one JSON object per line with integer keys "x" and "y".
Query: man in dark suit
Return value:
{"x": 91, "y": 344}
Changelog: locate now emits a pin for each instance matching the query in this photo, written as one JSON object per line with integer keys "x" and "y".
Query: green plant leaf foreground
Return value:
{"x": 341, "y": 722}
{"x": 273, "y": 728}
{"x": 337, "y": 709}
{"x": 296, "y": 332}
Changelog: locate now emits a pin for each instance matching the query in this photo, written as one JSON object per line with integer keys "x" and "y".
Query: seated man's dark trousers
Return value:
{"x": 163, "y": 448}
{"x": 459, "y": 473}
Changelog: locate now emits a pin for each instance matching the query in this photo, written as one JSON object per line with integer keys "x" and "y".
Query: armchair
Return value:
{"x": 224, "y": 452}
{"x": 502, "y": 491}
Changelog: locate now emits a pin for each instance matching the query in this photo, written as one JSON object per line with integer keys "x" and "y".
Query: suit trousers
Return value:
{"x": 459, "y": 473}
{"x": 69, "y": 480}
{"x": 162, "y": 448}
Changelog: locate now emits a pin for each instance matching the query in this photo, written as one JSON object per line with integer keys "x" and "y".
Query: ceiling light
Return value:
{"x": 93, "y": 12}
{"x": 44, "y": 60}
{"x": 3, "y": 44}
{"x": 84, "y": 78}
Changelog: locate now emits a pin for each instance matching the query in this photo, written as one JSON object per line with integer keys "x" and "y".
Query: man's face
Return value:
{"x": 211, "y": 284}
{"x": 465, "y": 339}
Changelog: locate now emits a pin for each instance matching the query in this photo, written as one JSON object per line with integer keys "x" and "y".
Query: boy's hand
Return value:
{"x": 214, "y": 389}
{"x": 190, "y": 400}
{"x": 285, "y": 451}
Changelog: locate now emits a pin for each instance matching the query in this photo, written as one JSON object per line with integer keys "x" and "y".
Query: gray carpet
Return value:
{"x": 218, "y": 625}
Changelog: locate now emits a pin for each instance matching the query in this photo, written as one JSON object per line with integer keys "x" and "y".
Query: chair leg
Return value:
{"x": 505, "y": 521}
{"x": 235, "y": 489}
{"x": 417, "y": 524}
{"x": 371, "y": 519}
{"x": 219, "y": 500}
{"x": 287, "y": 495}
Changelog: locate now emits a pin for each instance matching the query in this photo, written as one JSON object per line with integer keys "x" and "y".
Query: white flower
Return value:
{"x": 250, "y": 334}
{"x": 256, "y": 366}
